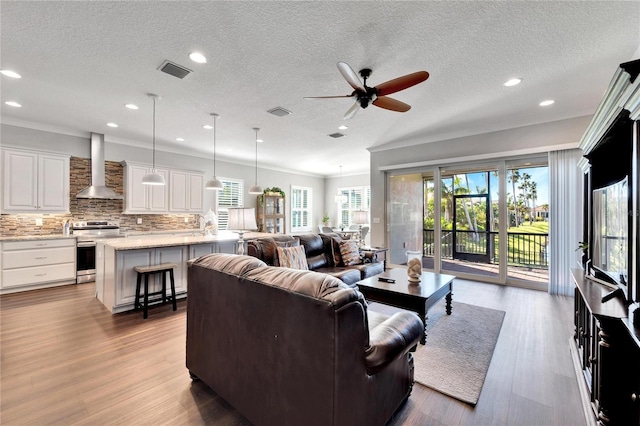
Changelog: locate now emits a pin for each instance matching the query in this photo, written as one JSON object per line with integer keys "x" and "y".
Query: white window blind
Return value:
{"x": 229, "y": 196}
{"x": 357, "y": 198}
{"x": 300, "y": 209}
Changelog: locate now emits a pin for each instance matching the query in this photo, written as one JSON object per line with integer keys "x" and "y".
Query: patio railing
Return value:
{"x": 523, "y": 249}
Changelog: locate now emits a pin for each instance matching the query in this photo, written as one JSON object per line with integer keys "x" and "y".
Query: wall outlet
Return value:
{"x": 38, "y": 221}
{"x": 376, "y": 220}
{"x": 139, "y": 221}
{"x": 186, "y": 220}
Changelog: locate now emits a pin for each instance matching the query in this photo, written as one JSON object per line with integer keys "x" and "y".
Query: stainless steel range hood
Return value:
{"x": 98, "y": 189}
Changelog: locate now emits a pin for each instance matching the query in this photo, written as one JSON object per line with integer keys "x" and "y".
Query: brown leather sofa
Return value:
{"x": 320, "y": 252}
{"x": 291, "y": 347}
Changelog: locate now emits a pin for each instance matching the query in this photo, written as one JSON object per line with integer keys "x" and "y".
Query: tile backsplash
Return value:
{"x": 87, "y": 209}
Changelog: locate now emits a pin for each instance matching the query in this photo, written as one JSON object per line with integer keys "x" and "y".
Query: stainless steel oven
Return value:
{"x": 85, "y": 261}
{"x": 87, "y": 235}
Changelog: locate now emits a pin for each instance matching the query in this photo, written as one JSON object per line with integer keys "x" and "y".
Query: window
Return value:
{"x": 229, "y": 196}
{"x": 300, "y": 209}
{"x": 357, "y": 198}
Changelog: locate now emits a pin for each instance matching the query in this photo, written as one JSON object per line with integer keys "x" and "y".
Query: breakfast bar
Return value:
{"x": 116, "y": 259}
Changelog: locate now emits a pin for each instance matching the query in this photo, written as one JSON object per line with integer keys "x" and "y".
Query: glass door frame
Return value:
{"x": 436, "y": 172}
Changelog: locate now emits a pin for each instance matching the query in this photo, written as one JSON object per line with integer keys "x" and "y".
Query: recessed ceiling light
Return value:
{"x": 259, "y": 140}
{"x": 547, "y": 102}
{"x": 343, "y": 127}
{"x": 180, "y": 139}
{"x": 198, "y": 57}
{"x": 13, "y": 104}
{"x": 10, "y": 73}
{"x": 228, "y": 150}
{"x": 513, "y": 82}
{"x": 112, "y": 125}
{"x": 131, "y": 106}
{"x": 207, "y": 126}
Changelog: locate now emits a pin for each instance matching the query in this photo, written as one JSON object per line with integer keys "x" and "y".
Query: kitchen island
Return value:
{"x": 116, "y": 258}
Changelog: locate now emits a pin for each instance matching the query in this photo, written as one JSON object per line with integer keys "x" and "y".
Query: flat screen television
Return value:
{"x": 610, "y": 236}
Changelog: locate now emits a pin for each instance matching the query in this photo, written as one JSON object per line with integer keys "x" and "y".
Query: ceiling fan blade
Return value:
{"x": 401, "y": 83}
{"x": 351, "y": 112}
{"x": 350, "y": 75}
{"x": 391, "y": 104}
{"x": 328, "y": 97}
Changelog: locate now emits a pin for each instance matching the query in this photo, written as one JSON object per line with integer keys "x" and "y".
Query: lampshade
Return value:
{"x": 214, "y": 184}
{"x": 153, "y": 178}
{"x": 241, "y": 219}
{"x": 360, "y": 217}
{"x": 255, "y": 188}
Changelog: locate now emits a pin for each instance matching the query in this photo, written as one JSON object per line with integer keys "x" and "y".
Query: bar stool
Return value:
{"x": 145, "y": 271}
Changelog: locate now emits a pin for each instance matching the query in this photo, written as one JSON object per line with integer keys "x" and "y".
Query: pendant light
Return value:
{"x": 256, "y": 189}
{"x": 340, "y": 198}
{"x": 214, "y": 184}
{"x": 153, "y": 178}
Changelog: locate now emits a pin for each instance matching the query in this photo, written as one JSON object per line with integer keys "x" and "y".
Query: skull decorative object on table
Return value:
{"x": 414, "y": 270}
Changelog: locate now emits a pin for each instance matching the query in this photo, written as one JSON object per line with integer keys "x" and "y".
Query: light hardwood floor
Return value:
{"x": 65, "y": 360}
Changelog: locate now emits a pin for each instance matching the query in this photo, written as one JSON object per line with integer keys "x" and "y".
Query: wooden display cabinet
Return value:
{"x": 271, "y": 214}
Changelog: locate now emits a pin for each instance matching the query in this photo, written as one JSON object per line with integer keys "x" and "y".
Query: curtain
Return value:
{"x": 565, "y": 221}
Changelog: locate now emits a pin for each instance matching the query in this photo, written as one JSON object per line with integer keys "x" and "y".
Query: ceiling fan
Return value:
{"x": 377, "y": 95}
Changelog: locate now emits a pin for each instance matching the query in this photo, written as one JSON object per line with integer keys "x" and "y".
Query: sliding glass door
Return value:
{"x": 453, "y": 216}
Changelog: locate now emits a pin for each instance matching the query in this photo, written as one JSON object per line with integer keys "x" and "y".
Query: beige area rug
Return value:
{"x": 459, "y": 348}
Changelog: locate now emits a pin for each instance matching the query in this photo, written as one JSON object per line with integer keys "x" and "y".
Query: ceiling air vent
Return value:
{"x": 336, "y": 135}
{"x": 174, "y": 69}
{"x": 279, "y": 111}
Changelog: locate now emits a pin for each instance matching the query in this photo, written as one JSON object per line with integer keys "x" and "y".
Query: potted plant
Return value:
{"x": 274, "y": 191}
{"x": 325, "y": 219}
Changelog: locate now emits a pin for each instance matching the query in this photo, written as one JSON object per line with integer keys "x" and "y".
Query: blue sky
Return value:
{"x": 540, "y": 175}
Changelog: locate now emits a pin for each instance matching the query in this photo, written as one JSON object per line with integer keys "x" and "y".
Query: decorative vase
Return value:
{"x": 414, "y": 270}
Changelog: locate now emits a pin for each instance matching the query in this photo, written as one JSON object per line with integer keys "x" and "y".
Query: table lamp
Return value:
{"x": 241, "y": 220}
{"x": 360, "y": 217}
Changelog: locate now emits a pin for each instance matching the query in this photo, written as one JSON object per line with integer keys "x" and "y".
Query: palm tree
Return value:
{"x": 533, "y": 191}
{"x": 515, "y": 177}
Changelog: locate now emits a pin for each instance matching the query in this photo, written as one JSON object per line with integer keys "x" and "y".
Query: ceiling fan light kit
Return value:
{"x": 377, "y": 95}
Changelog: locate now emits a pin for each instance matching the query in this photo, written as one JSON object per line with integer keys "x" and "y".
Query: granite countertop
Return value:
{"x": 153, "y": 241}
{"x": 36, "y": 237}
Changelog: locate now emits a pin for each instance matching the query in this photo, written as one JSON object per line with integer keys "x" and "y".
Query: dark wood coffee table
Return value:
{"x": 414, "y": 297}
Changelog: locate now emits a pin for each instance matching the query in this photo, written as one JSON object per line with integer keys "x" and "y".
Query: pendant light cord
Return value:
{"x": 214, "y": 143}
{"x": 256, "y": 156}
{"x": 154, "y": 134}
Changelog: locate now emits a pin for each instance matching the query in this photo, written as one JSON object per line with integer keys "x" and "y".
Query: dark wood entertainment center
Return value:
{"x": 606, "y": 342}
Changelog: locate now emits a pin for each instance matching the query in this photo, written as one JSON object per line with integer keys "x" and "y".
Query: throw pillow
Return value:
{"x": 283, "y": 244}
{"x": 335, "y": 251}
{"x": 350, "y": 253}
{"x": 292, "y": 257}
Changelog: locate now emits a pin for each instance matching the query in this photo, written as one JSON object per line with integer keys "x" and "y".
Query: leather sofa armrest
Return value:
{"x": 391, "y": 339}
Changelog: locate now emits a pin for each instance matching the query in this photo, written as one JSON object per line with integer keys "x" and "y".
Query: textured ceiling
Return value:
{"x": 82, "y": 61}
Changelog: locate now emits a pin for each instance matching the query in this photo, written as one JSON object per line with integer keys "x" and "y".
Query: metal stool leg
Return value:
{"x": 164, "y": 286}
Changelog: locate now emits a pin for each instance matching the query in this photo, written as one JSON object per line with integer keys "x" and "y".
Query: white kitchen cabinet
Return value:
{"x": 144, "y": 199}
{"x": 37, "y": 263}
{"x": 34, "y": 182}
{"x": 186, "y": 191}
{"x": 126, "y": 277}
{"x": 116, "y": 278}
